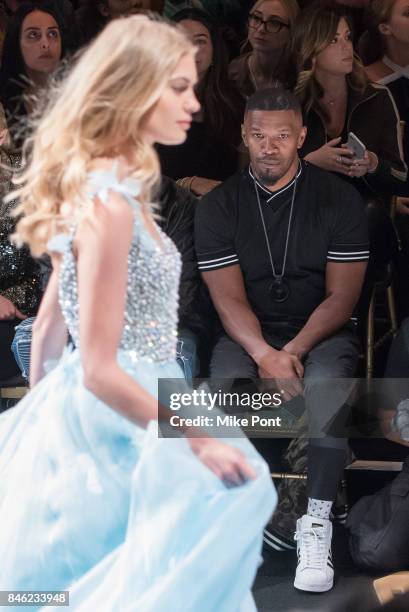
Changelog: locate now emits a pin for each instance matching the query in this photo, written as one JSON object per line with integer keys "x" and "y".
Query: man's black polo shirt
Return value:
{"x": 329, "y": 224}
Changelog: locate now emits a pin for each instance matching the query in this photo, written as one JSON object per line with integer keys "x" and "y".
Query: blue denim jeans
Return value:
{"x": 186, "y": 349}
{"x": 186, "y": 353}
{"x": 21, "y": 345}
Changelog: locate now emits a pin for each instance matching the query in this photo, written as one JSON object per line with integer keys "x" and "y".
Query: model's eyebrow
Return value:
{"x": 180, "y": 78}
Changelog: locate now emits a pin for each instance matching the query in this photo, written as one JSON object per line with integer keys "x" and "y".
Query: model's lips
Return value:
{"x": 185, "y": 124}
{"x": 45, "y": 56}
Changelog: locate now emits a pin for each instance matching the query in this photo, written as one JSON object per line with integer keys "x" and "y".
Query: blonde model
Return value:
{"x": 92, "y": 500}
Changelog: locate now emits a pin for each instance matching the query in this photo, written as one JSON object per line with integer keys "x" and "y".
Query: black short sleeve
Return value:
{"x": 215, "y": 222}
{"x": 348, "y": 227}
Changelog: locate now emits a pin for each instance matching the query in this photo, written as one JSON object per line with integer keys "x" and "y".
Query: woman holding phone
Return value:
{"x": 338, "y": 99}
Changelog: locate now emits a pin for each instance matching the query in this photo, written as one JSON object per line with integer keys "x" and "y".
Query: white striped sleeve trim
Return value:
{"x": 218, "y": 262}
{"x": 348, "y": 256}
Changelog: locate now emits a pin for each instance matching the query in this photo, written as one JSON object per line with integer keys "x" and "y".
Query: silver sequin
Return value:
{"x": 150, "y": 318}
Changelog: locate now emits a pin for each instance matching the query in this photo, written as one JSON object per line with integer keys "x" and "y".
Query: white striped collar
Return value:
{"x": 274, "y": 194}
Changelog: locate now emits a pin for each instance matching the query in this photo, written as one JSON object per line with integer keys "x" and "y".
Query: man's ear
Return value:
{"x": 243, "y": 135}
{"x": 302, "y": 136}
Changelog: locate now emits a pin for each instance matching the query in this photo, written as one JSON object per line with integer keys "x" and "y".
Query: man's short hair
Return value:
{"x": 273, "y": 99}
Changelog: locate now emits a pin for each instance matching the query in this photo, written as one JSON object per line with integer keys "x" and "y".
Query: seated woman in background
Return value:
{"x": 210, "y": 153}
{"x": 337, "y": 99}
{"x": 32, "y": 51}
{"x": 92, "y": 15}
{"x": 20, "y": 289}
{"x": 264, "y": 59}
{"x": 389, "y": 34}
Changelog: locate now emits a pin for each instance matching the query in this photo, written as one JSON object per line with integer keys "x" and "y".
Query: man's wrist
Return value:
{"x": 296, "y": 349}
{"x": 260, "y": 352}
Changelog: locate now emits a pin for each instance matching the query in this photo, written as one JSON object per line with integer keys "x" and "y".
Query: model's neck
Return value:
{"x": 397, "y": 52}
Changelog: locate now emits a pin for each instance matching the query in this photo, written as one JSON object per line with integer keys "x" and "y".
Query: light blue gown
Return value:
{"x": 90, "y": 502}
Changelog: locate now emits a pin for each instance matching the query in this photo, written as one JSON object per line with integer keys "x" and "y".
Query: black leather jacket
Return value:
{"x": 373, "y": 117}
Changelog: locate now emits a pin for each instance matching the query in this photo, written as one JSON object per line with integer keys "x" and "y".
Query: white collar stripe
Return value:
{"x": 280, "y": 191}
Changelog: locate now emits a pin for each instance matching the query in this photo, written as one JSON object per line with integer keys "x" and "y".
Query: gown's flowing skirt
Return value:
{"x": 123, "y": 519}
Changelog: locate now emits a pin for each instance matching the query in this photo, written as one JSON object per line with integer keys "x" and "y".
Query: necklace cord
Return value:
{"x": 281, "y": 275}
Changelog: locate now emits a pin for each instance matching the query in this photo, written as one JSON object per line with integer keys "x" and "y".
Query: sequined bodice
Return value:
{"x": 150, "y": 316}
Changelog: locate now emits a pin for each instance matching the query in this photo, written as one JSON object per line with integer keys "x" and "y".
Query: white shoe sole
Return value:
{"x": 321, "y": 588}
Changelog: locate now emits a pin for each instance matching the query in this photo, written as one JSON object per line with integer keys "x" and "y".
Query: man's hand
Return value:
{"x": 8, "y": 311}
{"x": 285, "y": 369}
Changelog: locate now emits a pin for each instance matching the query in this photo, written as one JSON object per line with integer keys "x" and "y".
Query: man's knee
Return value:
{"x": 335, "y": 357}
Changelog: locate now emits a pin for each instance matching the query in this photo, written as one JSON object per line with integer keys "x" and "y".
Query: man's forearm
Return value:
{"x": 327, "y": 318}
{"x": 242, "y": 325}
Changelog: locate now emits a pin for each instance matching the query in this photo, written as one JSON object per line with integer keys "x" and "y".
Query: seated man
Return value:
{"x": 282, "y": 246}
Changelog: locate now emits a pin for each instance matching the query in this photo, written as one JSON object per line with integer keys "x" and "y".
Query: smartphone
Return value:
{"x": 356, "y": 146}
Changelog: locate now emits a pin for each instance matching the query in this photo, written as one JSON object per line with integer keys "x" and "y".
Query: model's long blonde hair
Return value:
{"x": 97, "y": 111}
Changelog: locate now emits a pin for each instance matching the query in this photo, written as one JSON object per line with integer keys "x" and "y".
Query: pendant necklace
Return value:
{"x": 279, "y": 288}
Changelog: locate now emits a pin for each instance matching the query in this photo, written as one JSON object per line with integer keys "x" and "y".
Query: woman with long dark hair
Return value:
{"x": 32, "y": 51}
{"x": 338, "y": 99}
{"x": 211, "y": 151}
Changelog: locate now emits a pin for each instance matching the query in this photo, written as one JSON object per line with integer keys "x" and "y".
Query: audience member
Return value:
{"x": 282, "y": 246}
{"x": 355, "y": 10}
{"x": 389, "y": 35}
{"x": 32, "y": 51}
{"x": 337, "y": 99}
{"x": 264, "y": 60}
{"x": 211, "y": 151}
{"x": 230, "y": 15}
{"x": 66, "y": 18}
{"x": 93, "y": 15}
{"x": 20, "y": 289}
